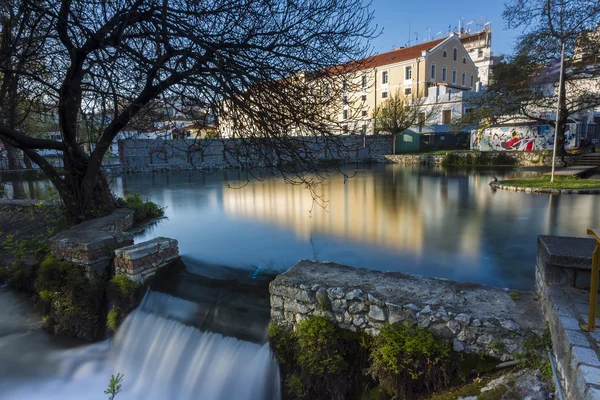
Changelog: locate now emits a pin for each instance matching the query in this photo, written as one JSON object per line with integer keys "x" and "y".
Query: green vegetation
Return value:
{"x": 514, "y": 295}
{"x": 322, "y": 361}
{"x": 408, "y": 360}
{"x": 534, "y": 355}
{"x": 124, "y": 295}
{"x": 114, "y": 386}
{"x": 479, "y": 158}
{"x": 73, "y": 304}
{"x": 472, "y": 389}
{"x": 113, "y": 319}
{"x": 560, "y": 182}
{"x": 498, "y": 346}
{"x": 143, "y": 210}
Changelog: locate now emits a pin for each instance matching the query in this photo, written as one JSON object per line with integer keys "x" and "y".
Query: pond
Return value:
{"x": 430, "y": 221}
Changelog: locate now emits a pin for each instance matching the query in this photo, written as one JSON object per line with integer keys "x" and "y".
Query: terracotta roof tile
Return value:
{"x": 399, "y": 55}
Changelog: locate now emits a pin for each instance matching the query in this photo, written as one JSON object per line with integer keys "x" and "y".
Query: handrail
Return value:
{"x": 591, "y": 325}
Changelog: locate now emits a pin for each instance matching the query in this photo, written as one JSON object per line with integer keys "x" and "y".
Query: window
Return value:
{"x": 408, "y": 90}
{"x": 444, "y": 54}
{"x": 408, "y": 73}
{"x": 327, "y": 89}
{"x": 463, "y": 80}
{"x": 433, "y": 72}
{"x": 364, "y": 113}
{"x": 464, "y": 60}
{"x": 345, "y": 86}
{"x": 454, "y": 54}
{"x": 345, "y": 99}
{"x": 480, "y": 53}
{"x": 364, "y": 97}
{"x": 345, "y": 129}
{"x": 384, "y": 77}
{"x": 444, "y": 74}
{"x": 363, "y": 130}
{"x": 345, "y": 114}
{"x": 454, "y": 77}
{"x": 384, "y": 95}
{"x": 364, "y": 82}
{"x": 472, "y": 81}
{"x": 421, "y": 118}
{"x": 446, "y": 116}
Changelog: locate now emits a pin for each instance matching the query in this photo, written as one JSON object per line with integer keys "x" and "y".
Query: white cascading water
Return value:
{"x": 160, "y": 358}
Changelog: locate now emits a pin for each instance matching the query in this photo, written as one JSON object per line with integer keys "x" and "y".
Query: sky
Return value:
{"x": 394, "y": 17}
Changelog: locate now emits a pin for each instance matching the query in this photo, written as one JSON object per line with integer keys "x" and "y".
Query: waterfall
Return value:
{"x": 161, "y": 358}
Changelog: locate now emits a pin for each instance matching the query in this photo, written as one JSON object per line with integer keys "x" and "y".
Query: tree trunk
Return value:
{"x": 12, "y": 155}
{"x": 87, "y": 200}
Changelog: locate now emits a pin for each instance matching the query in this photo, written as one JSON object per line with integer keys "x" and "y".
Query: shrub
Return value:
{"x": 113, "y": 319}
{"x": 409, "y": 360}
{"x": 294, "y": 387}
{"x": 73, "y": 304}
{"x": 320, "y": 348}
{"x": 143, "y": 210}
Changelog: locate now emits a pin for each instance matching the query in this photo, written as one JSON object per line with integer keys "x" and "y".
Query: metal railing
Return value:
{"x": 591, "y": 325}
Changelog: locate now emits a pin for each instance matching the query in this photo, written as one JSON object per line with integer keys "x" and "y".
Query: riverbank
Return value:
{"x": 561, "y": 185}
{"x": 478, "y": 158}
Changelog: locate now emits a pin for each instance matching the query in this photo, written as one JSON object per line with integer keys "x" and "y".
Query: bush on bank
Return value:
{"x": 319, "y": 360}
{"x": 142, "y": 210}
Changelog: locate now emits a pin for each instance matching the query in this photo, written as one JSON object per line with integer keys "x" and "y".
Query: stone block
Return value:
{"x": 586, "y": 377}
{"x": 142, "y": 260}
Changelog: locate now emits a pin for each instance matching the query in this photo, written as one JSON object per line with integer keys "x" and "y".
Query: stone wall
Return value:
{"x": 520, "y": 158}
{"x": 139, "y": 262}
{"x": 475, "y": 318}
{"x": 92, "y": 243}
{"x": 146, "y": 154}
{"x": 562, "y": 282}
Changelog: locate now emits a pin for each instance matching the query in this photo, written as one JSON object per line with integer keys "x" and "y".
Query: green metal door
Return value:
{"x": 407, "y": 142}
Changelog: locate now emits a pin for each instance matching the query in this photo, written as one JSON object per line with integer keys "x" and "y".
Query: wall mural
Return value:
{"x": 520, "y": 138}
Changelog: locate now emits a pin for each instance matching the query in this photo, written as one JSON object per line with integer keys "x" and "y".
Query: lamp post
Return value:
{"x": 560, "y": 92}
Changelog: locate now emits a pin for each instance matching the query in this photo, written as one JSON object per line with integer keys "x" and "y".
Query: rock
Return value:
{"x": 441, "y": 313}
{"x": 476, "y": 322}
{"x": 485, "y": 339}
{"x": 297, "y": 307}
{"x": 276, "y": 302}
{"x": 464, "y": 319}
{"x": 347, "y": 318}
{"x": 315, "y": 288}
{"x": 411, "y": 307}
{"x": 466, "y": 336}
{"x": 440, "y": 330}
{"x": 453, "y": 326}
{"x": 432, "y": 302}
{"x": 423, "y": 320}
{"x": 426, "y": 310}
{"x": 338, "y": 305}
{"x": 355, "y": 294}
{"x": 359, "y": 321}
{"x": 375, "y": 301}
{"x": 335, "y": 293}
{"x": 521, "y": 384}
{"x": 510, "y": 325}
{"x": 356, "y": 307}
{"x": 458, "y": 346}
{"x": 377, "y": 313}
{"x": 373, "y": 331}
{"x": 395, "y": 316}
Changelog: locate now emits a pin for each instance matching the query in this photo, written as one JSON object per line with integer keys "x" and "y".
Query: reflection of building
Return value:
{"x": 386, "y": 210}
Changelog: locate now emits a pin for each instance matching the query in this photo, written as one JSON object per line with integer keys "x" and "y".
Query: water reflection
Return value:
{"x": 429, "y": 221}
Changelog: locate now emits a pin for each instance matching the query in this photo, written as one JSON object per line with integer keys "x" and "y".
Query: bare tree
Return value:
{"x": 262, "y": 60}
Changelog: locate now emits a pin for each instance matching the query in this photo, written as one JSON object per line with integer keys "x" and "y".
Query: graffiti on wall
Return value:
{"x": 519, "y": 138}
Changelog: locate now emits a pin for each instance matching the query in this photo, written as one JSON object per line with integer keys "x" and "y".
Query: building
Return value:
{"x": 479, "y": 46}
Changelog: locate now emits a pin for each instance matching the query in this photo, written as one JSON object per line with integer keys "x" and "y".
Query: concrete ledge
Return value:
{"x": 140, "y": 261}
{"x": 540, "y": 190}
{"x": 93, "y": 242}
{"x": 474, "y": 318}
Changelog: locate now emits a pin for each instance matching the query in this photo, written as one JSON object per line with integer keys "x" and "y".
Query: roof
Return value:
{"x": 399, "y": 55}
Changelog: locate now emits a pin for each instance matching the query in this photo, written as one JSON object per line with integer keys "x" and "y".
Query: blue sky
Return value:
{"x": 394, "y": 17}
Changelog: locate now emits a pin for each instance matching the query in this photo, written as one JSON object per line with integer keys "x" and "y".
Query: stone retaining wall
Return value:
{"x": 92, "y": 243}
{"x": 140, "y": 261}
{"x": 562, "y": 271}
{"x": 520, "y": 158}
{"x": 540, "y": 190}
{"x": 138, "y": 155}
{"x": 475, "y": 318}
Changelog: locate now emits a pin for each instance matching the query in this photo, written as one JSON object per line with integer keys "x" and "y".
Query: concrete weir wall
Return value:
{"x": 520, "y": 158}
{"x": 475, "y": 318}
{"x": 138, "y": 155}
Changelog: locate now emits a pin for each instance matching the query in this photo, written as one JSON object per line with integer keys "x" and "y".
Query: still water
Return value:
{"x": 201, "y": 334}
{"x": 438, "y": 222}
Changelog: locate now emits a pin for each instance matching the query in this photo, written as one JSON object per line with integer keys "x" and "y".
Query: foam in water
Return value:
{"x": 160, "y": 358}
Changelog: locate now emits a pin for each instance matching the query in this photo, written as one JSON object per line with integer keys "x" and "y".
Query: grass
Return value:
{"x": 514, "y": 295}
{"x": 438, "y": 152}
{"x": 560, "y": 182}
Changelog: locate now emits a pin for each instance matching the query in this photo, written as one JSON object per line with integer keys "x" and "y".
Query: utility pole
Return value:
{"x": 558, "y": 110}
